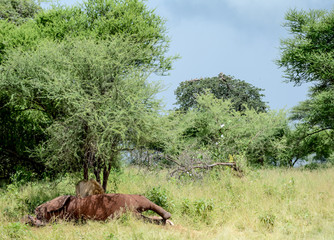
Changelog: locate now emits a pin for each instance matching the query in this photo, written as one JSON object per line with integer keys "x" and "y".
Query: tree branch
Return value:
{"x": 315, "y": 132}
{"x": 189, "y": 169}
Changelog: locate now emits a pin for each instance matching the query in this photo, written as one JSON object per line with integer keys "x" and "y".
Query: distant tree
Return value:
{"x": 240, "y": 93}
{"x": 307, "y": 56}
{"x": 216, "y": 132}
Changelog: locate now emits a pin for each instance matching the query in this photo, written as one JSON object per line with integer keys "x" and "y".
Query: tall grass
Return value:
{"x": 264, "y": 204}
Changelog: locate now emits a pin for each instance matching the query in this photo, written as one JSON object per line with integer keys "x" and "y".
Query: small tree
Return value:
{"x": 240, "y": 93}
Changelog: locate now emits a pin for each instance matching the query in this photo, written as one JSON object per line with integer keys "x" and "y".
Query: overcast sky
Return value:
{"x": 237, "y": 37}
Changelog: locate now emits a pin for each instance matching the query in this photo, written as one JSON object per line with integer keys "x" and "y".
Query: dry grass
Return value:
{"x": 265, "y": 204}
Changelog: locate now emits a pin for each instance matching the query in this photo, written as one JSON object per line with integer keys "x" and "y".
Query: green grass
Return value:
{"x": 265, "y": 204}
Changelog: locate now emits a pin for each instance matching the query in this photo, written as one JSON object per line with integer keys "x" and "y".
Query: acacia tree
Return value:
{"x": 307, "y": 56}
{"x": 215, "y": 132}
{"x": 87, "y": 79}
{"x": 240, "y": 93}
{"x": 100, "y": 104}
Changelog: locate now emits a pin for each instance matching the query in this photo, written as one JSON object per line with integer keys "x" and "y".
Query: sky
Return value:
{"x": 240, "y": 38}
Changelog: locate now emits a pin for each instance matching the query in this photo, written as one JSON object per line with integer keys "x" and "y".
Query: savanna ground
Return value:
{"x": 264, "y": 204}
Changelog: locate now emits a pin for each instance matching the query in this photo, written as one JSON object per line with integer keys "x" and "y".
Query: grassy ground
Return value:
{"x": 265, "y": 204}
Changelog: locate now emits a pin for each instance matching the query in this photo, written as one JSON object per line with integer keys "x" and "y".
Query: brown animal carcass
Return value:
{"x": 86, "y": 188}
{"x": 97, "y": 207}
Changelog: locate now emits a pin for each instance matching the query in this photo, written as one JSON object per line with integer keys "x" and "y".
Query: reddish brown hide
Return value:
{"x": 96, "y": 207}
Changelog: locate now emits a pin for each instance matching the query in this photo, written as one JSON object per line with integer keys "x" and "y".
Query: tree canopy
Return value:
{"x": 307, "y": 56}
{"x": 18, "y": 11}
{"x": 225, "y": 87}
{"x": 80, "y": 84}
{"x": 97, "y": 19}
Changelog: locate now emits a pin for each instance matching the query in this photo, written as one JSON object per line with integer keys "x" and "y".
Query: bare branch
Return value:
{"x": 190, "y": 169}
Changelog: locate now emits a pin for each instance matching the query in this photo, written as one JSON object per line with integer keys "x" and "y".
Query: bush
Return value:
{"x": 22, "y": 176}
{"x": 203, "y": 207}
{"x": 159, "y": 196}
{"x": 186, "y": 206}
{"x": 198, "y": 208}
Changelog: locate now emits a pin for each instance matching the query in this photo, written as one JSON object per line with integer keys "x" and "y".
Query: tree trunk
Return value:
{"x": 106, "y": 172}
{"x": 86, "y": 153}
{"x": 85, "y": 170}
{"x": 107, "y": 166}
{"x": 97, "y": 169}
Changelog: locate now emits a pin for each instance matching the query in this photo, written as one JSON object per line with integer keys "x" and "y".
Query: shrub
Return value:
{"x": 198, "y": 208}
{"x": 186, "y": 206}
{"x": 159, "y": 196}
{"x": 203, "y": 207}
{"x": 22, "y": 176}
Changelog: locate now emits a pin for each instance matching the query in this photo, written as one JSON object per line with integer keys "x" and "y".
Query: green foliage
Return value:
{"x": 18, "y": 11}
{"x": 26, "y": 203}
{"x": 313, "y": 134}
{"x": 198, "y": 210}
{"x": 92, "y": 101}
{"x": 307, "y": 57}
{"x": 186, "y": 206}
{"x": 12, "y": 36}
{"x": 38, "y": 197}
{"x": 74, "y": 79}
{"x": 115, "y": 179}
{"x": 159, "y": 196}
{"x": 22, "y": 176}
{"x": 111, "y": 236}
{"x": 203, "y": 207}
{"x": 241, "y": 94}
{"x": 29, "y": 195}
{"x": 216, "y": 132}
{"x": 303, "y": 143}
{"x": 96, "y": 19}
{"x": 15, "y": 230}
{"x": 318, "y": 111}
